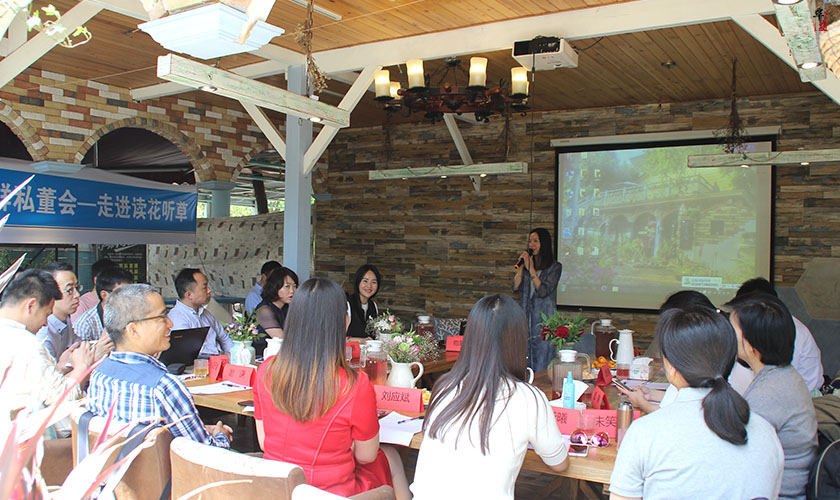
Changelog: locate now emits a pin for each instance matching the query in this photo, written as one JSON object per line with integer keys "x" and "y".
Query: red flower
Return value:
{"x": 562, "y": 332}
{"x": 545, "y": 331}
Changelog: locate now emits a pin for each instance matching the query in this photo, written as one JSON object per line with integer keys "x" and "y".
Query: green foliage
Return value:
{"x": 561, "y": 330}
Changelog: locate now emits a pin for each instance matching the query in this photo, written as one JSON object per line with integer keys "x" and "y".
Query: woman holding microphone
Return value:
{"x": 537, "y": 274}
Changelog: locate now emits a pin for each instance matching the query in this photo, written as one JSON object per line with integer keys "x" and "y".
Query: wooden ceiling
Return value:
{"x": 620, "y": 69}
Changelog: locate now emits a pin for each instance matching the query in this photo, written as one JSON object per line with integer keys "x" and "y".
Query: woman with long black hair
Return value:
{"x": 483, "y": 413}
{"x": 362, "y": 307}
{"x": 706, "y": 444}
{"x": 536, "y": 280}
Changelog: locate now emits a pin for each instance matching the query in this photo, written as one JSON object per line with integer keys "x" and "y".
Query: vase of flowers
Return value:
{"x": 384, "y": 326}
{"x": 563, "y": 333}
{"x": 243, "y": 332}
{"x": 406, "y": 350}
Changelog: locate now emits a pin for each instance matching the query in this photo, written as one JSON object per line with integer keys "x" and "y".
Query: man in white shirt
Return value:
{"x": 190, "y": 312}
{"x": 807, "y": 358}
{"x": 90, "y": 324}
{"x": 255, "y": 295}
{"x": 58, "y": 335}
{"x": 32, "y": 378}
{"x": 90, "y": 299}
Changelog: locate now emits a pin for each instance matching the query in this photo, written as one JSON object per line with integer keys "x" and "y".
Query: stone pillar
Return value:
{"x": 219, "y": 197}
{"x": 297, "y": 218}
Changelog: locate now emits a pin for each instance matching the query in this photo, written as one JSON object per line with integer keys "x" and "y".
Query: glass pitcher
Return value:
{"x": 604, "y": 333}
{"x": 568, "y": 361}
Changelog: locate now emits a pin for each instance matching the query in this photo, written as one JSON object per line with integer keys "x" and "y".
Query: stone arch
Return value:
{"x": 258, "y": 148}
{"x": 28, "y": 135}
{"x": 203, "y": 168}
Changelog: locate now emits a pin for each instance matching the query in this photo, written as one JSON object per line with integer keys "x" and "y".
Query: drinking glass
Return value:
{"x": 586, "y": 423}
{"x": 201, "y": 367}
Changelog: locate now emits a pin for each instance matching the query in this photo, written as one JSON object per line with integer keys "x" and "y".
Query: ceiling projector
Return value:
{"x": 545, "y": 52}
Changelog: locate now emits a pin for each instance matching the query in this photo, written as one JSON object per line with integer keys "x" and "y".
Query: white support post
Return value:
{"x": 297, "y": 217}
{"x": 461, "y": 146}
{"x": 348, "y": 103}
{"x": 267, "y": 128}
{"x": 12, "y": 65}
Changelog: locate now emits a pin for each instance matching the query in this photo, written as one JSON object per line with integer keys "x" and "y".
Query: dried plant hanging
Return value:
{"x": 316, "y": 81}
{"x": 505, "y": 138}
{"x": 389, "y": 146}
{"x": 733, "y": 135}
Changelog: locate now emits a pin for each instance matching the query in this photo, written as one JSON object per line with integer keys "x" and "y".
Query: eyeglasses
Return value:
{"x": 159, "y": 316}
{"x": 69, "y": 290}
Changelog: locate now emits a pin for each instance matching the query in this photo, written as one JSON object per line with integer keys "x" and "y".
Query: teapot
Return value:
{"x": 604, "y": 333}
{"x": 273, "y": 347}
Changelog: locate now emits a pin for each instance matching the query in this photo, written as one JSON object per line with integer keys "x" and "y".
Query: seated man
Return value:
{"x": 32, "y": 379}
{"x": 89, "y": 325}
{"x": 189, "y": 312}
{"x": 807, "y": 358}
{"x": 90, "y": 299}
{"x": 58, "y": 335}
{"x": 135, "y": 318}
{"x": 255, "y": 295}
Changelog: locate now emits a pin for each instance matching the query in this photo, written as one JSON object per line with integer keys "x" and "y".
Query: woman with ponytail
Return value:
{"x": 706, "y": 444}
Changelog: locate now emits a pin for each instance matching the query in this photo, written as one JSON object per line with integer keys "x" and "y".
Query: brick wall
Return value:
{"x": 60, "y": 119}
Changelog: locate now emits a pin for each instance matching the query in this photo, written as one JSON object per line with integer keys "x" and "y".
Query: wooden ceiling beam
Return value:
{"x": 264, "y": 123}
{"x": 797, "y": 24}
{"x": 764, "y": 31}
{"x": 40, "y": 44}
{"x": 612, "y": 19}
{"x": 184, "y": 71}
{"x": 779, "y": 158}
{"x": 128, "y": 8}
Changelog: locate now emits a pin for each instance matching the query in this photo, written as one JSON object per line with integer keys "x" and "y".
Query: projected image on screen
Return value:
{"x": 636, "y": 225}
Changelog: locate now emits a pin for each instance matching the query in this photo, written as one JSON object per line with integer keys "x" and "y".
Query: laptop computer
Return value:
{"x": 184, "y": 346}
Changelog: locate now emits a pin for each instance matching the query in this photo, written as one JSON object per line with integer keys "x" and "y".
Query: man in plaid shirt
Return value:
{"x": 135, "y": 318}
{"x": 89, "y": 325}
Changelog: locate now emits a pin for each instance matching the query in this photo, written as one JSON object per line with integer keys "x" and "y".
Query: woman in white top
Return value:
{"x": 483, "y": 413}
{"x": 707, "y": 443}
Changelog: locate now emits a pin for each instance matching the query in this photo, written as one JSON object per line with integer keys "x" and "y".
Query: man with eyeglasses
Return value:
{"x": 58, "y": 335}
{"x": 133, "y": 380}
{"x": 190, "y": 311}
{"x": 32, "y": 379}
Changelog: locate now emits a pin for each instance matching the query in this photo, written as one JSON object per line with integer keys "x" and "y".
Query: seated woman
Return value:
{"x": 766, "y": 336}
{"x": 686, "y": 449}
{"x": 362, "y": 306}
{"x": 483, "y": 413}
{"x": 313, "y": 410}
{"x": 276, "y": 295}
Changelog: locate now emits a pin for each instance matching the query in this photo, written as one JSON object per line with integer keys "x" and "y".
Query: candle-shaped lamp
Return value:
{"x": 478, "y": 71}
{"x": 519, "y": 81}
{"x": 395, "y": 86}
{"x": 382, "y": 83}
{"x": 416, "y": 78}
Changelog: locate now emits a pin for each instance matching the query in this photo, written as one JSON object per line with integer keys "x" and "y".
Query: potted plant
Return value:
{"x": 243, "y": 331}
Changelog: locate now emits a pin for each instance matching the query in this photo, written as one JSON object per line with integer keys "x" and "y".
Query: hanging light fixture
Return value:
{"x": 476, "y": 97}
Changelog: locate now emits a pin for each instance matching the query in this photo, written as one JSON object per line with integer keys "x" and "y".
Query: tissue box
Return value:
{"x": 640, "y": 368}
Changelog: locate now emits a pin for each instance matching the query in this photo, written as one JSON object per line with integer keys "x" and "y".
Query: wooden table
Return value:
{"x": 596, "y": 467}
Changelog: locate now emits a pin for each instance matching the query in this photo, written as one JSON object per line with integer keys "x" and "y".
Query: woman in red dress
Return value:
{"x": 312, "y": 409}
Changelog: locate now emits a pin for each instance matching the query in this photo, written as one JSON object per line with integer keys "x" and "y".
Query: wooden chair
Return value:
{"x": 307, "y": 492}
{"x": 58, "y": 460}
{"x": 148, "y": 476}
{"x": 196, "y": 465}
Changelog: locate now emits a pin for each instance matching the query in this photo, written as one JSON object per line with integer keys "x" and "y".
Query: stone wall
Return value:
{"x": 441, "y": 245}
{"x": 230, "y": 251}
{"x": 59, "y": 119}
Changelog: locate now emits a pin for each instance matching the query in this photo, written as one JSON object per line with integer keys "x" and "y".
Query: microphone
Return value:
{"x": 522, "y": 261}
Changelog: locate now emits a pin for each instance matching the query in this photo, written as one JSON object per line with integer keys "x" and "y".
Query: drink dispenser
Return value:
{"x": 604, "y": 333}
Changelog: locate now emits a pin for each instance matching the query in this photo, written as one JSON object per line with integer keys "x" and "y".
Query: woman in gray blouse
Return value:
{"x": 766, "y": 334}
{"x": 536, "y": 279}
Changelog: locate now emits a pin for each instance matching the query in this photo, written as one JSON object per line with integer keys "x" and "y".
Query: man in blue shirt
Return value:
{"x": 190, "y": 312}
{"x": 255, "y": 295}
{"x": 136, "y": 320}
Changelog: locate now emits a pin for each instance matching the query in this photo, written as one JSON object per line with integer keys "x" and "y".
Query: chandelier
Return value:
{"x": 447, "y": 97}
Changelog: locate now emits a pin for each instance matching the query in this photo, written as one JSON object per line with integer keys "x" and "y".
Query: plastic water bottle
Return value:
{"x": 569, "y": 392}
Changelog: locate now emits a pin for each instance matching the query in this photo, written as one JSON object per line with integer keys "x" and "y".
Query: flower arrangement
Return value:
{"x": 244, "y": 328}
{"x": 384, "y": 323}
{"x": 409, "y": 347}
{"x": 560, "y": 330}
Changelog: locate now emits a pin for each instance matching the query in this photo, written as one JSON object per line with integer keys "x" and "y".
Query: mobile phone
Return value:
{"x": 578, "y": 450}
{"x": 621, "y": 384}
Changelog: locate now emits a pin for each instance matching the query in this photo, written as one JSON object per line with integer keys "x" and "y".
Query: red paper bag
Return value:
{"x": 604, "y": 377}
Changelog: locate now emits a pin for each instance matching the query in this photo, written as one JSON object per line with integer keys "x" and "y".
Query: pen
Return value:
{"x": 233, "y": 385}
{"x": 410, "y": 420}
